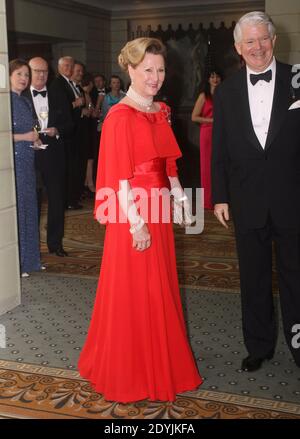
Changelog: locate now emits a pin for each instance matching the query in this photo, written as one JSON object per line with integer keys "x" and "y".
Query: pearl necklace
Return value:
{"x": 139, "y": 100}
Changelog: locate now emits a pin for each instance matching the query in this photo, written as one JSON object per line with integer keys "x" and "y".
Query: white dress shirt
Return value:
{"x": 261, "y": 100}
{"x": 39, "y": 101}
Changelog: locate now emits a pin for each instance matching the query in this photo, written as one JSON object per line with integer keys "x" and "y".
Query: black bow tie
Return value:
{"x": 37, "y": 92}
{"x": 266, "y": 76}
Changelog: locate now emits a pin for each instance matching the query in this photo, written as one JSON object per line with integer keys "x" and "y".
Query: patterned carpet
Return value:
{"x": 45, "y": 335}
{"x": 38, "y": 377}
{"x": 30, "y": 391}
{"x": 207, "y": 261}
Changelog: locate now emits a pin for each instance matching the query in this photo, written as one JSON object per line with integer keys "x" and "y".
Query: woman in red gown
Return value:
{"x": 137, "y": 346}
{"x": 203, "y": 114}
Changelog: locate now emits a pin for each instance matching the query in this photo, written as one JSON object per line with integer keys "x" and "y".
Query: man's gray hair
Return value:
{"x": 254, "y": 18}
{"x": 65, "y": 58}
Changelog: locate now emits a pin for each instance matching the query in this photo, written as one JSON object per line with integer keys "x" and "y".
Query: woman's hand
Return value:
{"x": 141, "y": 240}
{"x": 182, "y": 212}
{"x": 32, "y": 136}
{"x": 37, "y": 144}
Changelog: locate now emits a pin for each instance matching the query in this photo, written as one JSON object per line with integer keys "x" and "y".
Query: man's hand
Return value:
{"x": 79, "y": 102}
{"x": 221, "y": 211}
{"x": 51, "y": 132}
{"x": 85, "y": 112}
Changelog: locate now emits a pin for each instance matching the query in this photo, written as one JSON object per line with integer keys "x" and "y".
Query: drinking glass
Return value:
{"x": 43, "y": 116}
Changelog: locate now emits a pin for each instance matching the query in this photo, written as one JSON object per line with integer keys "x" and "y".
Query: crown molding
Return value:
{"x": 174, "y": 11}
{"x": 70, "y": 6}
{"x": 161, "y": 12}
{"x": 181, "y": 11}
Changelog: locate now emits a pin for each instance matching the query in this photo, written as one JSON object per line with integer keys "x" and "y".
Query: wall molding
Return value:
{"x": 168, "y": 11}
{"x": 68, "y": 5}
{"x": 183, "y": 11}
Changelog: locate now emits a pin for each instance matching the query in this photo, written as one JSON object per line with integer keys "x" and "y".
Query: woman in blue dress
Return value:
{"x": 113, "y": 97}
{"x": 24, "y": 136}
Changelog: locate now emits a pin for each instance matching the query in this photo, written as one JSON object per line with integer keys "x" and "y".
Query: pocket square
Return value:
{"x": 295, "y": 105}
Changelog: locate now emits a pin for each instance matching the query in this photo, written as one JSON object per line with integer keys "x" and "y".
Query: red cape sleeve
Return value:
{"x": 116, "y": 160}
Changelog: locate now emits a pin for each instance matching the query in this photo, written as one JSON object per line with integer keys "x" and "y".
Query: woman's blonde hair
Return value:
{"x": 134, "y": 51}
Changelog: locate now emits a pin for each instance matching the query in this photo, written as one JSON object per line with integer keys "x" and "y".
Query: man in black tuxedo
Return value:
{"x": 99, "y": 88}
{"x": 50, "y": 163}
{"x": 82, "y": 130}
{"x": 97, "y": 94}
{"x": 256, "y": 171}
{"x": 63, "y": 87}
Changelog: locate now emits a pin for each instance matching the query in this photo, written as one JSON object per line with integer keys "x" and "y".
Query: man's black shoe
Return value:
{"x": 251, "y": 364}
{"x": 59, "y": 252}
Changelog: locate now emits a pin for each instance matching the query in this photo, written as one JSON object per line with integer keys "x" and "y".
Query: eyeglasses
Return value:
{"x": 262, "y": 41}
{"x": 39, "y": 72}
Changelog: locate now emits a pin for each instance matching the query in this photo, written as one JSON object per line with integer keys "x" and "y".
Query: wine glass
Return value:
{"x": 43, "y": 116}
{"x": 37, "y": 128}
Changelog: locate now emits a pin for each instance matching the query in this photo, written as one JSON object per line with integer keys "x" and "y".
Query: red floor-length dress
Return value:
{"x": 205, "y": 152}
{"x": 137, "y": 346}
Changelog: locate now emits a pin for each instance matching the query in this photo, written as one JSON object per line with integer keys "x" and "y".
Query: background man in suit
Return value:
{"x": 98, "y": 89}
{"x": 256, "y": 171}
{"x": 63, "y": 88}
{"x": 50, "y": 163}
{"x": 81, "y": 128}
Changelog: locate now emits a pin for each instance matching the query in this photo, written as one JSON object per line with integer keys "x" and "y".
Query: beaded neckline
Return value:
{"x": 140, "y": 100}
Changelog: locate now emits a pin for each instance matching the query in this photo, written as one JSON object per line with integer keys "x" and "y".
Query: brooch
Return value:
{"x": 167, "y": 114}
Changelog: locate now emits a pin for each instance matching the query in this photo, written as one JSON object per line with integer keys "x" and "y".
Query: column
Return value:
{"x": 286, "y": 17}
{"x": 10, "y": 291}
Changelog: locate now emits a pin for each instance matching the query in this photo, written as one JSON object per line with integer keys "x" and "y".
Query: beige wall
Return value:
{"x": 79, "y": 31}
{"x": 9, "y": 258}
{"x": 119, "y": 36}
{"x": 286, "y": 17}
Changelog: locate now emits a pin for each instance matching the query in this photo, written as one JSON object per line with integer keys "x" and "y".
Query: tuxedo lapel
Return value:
{"x": 51, "y": 115}
{"x": 280, "y": 104}
{"x": 242, "y": 90}
{"x": 67, "y": 86}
